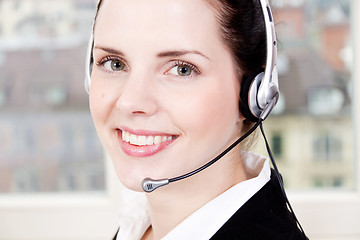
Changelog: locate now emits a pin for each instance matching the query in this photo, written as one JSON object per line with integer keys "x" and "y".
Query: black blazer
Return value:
{"x": 264, "y": 216}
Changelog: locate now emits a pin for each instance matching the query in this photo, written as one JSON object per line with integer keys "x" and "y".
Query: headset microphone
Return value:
{"x": 149, "y": 185}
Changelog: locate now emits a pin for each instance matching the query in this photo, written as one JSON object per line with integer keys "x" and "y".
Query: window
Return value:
{"x": 327, "y": 148}
{"x": 313, "y": 133}
{"x": 277, "y": 147}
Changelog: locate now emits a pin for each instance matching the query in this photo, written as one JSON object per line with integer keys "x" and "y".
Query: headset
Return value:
{"x": 89, "y": 60}
{"x": 260, "y": 94}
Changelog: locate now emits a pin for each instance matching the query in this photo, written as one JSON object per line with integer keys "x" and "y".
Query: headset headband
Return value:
{"x": 264, "y": 91}
{"x": 89, "y": 60}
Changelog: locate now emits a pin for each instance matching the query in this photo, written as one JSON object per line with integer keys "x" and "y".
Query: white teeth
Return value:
{"x": 133, "y": 139}
{"x": 157, "y": 140}
{"x": 150, "y": 140}
{"x": 141, "y": 140}
{"x": 123, "y": 135}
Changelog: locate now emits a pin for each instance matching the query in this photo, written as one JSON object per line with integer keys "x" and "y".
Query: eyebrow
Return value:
{"x": 110, "y": 50}
{"x": 175, "y": 53}
{"x": 180, "y": 53}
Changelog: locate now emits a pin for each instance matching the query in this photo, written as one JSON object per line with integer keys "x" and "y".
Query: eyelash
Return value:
{"x": 186, "y": 64}
{"x": 102, "y": 61}
{"x": 176, "y": 63}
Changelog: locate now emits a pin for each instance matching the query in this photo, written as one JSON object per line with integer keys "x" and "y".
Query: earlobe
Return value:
{"x": 241, "y": 118}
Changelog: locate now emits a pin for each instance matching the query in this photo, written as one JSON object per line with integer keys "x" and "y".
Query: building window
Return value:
{"x": 327, "y": 148}
{"x": 328, "y": 182}
{"x": 277, "y": 144}
{"x": 338, "y": 182}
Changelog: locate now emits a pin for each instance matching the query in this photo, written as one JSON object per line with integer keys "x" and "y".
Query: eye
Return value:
{"x": 183, "y": 69}
{"x": 112, "y": 64}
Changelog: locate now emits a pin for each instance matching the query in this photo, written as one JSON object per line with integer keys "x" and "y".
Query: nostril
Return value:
{"x": 138, "y": 112}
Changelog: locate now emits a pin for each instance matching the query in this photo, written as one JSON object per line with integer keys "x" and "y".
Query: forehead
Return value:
{"x": 185, "y": 21}
{"x": 160, "y": 8}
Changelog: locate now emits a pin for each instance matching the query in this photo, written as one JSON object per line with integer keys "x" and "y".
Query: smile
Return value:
{"x": 142, "y": 140}
{"x": 143, "y": 144}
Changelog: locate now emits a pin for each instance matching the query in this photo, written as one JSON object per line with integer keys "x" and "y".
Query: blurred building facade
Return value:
{"x": 47, "y": 138}
{"x": 312, "y": 131}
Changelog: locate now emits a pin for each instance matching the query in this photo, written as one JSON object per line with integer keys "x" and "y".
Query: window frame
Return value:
{"x": 330, "y": 215}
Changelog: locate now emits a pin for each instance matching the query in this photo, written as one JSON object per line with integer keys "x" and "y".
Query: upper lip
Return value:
{"x": 145, "y": 132}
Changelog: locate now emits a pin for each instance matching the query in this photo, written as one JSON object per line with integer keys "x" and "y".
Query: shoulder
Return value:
{"x": 264, "y": 216}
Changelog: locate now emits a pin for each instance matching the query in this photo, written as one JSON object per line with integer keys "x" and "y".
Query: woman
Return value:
{"x": 164, "y": 96}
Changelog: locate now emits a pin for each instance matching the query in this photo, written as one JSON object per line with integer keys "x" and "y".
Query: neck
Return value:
{"x": 171, "y": 204}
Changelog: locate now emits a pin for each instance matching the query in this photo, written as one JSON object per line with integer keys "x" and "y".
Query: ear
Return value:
{"x": 241, "y": 118}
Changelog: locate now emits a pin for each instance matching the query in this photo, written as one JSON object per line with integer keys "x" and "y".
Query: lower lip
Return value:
{"x": 142, "y": 151}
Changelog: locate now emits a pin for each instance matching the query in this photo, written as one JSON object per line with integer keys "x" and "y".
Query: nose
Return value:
{"x": 137, "y": 97}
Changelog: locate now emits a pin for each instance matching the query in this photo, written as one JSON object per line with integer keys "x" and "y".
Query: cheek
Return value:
{"x": 219, "y": 112}
{"x": 211, "y": 110}
{"x": 96, "y": 109}
{"x": 101, "y": 105}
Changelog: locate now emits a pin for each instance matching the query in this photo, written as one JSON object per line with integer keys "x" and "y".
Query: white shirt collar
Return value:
{"x": 134, "y": 218}
{"x": 205, "y": 222}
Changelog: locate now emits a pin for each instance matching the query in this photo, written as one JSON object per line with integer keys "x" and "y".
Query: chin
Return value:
{"x": 137, "y": 188}
{"x": 130, "y": 182}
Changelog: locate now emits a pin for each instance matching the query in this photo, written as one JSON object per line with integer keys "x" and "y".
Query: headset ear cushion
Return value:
{"x": 246, "y": 82}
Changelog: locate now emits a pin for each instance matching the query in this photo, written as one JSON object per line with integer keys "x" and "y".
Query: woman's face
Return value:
{"x": 164, "y": 92}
